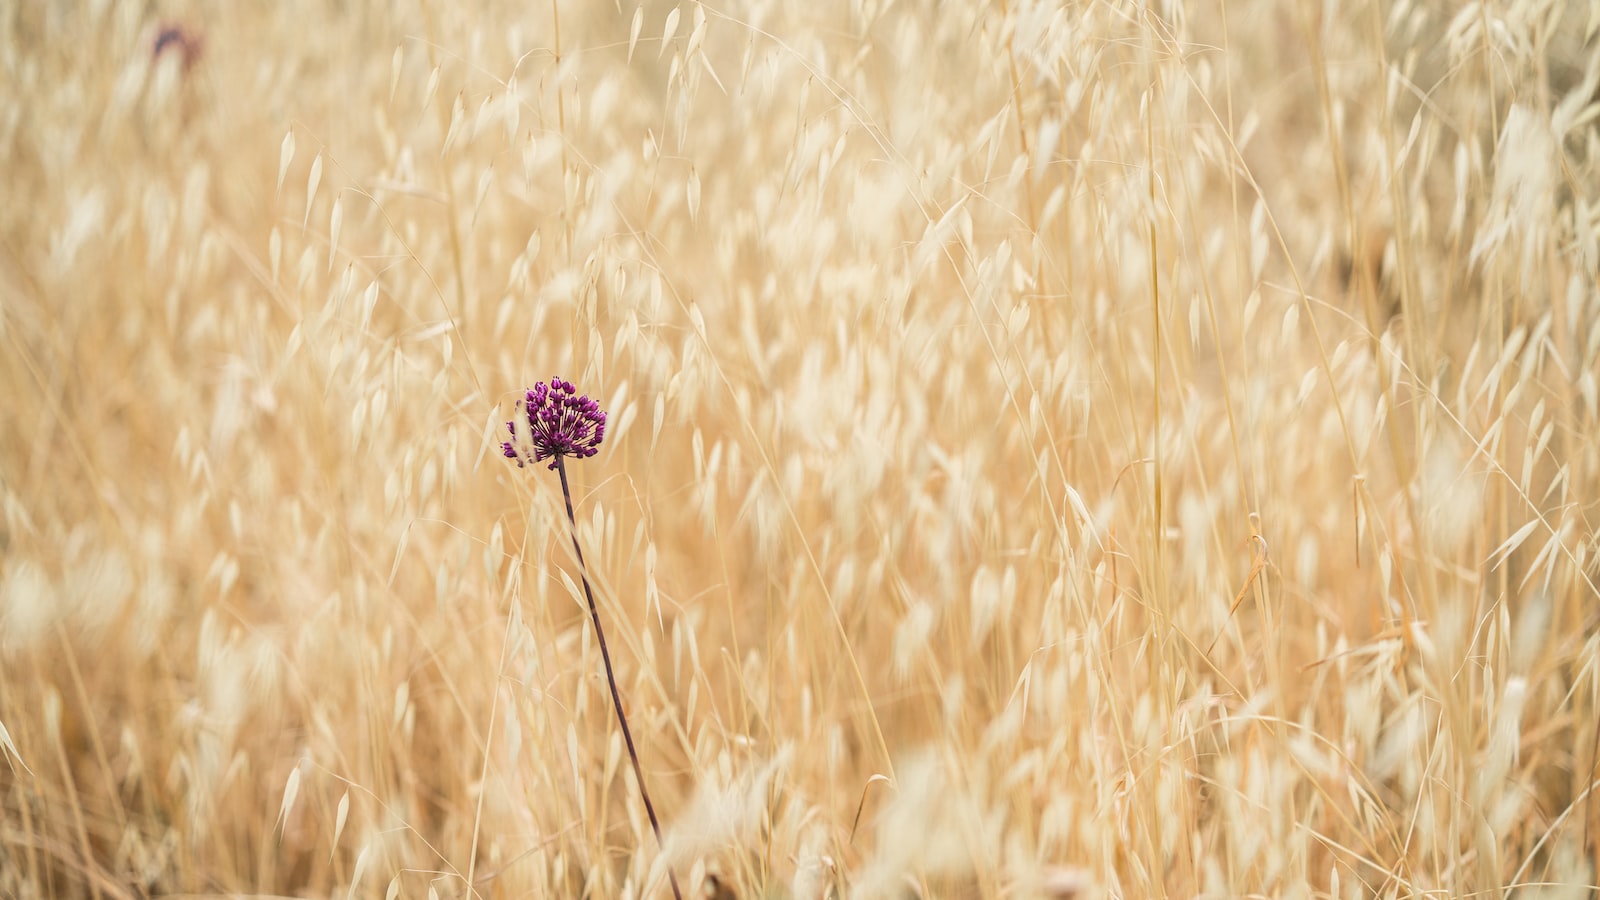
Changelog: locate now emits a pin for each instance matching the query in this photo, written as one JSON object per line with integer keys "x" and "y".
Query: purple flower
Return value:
{"x": 556, "y": 422}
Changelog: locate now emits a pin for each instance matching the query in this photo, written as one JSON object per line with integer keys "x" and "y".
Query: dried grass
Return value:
{"x": 1101, "y": 450}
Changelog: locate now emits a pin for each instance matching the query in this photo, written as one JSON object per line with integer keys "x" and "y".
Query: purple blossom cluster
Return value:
{"x": 557, "y": 422}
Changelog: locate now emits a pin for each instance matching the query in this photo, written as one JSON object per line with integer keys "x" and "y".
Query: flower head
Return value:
{"x": 556, "y": 423}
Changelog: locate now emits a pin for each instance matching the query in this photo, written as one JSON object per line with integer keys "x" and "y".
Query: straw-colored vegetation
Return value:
{"x": 1103, "y": 449}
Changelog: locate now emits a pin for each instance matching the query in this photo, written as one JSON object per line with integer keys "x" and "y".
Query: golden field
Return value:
{"x": 1096, "y": 449}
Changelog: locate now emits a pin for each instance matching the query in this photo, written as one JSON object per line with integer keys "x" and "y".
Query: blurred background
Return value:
{"x": 1090, "y": 449}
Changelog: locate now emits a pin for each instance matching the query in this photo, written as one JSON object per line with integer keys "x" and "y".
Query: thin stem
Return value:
{"x": 611, "y": 678}
{"x": 483, "y": 771}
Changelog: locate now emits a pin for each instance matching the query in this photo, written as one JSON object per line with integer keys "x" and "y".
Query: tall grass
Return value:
{"x": 1094, "y": 449}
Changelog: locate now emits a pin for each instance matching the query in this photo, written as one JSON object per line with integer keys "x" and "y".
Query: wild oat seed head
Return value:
{"x": 559, "y": 423}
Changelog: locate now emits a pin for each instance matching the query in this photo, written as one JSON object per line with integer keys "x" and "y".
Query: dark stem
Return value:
{"x": 611, "y": 678}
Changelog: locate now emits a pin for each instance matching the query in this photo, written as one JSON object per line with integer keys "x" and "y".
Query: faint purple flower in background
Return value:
{"x": 557, "y": 423}
{"x": 186, "y": 42}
